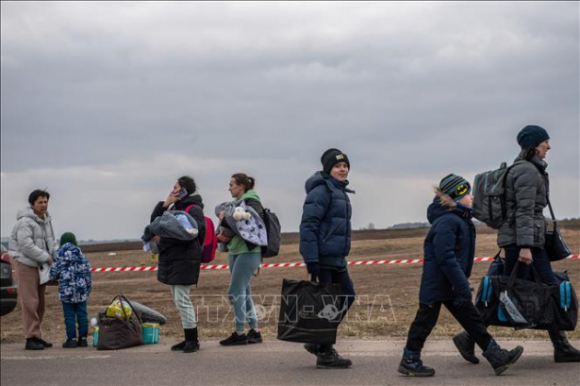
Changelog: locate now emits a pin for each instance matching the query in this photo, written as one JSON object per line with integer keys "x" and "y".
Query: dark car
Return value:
{"x": 9, "y": 292}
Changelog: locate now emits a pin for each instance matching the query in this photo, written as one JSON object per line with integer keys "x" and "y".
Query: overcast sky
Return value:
{"x": 106, "y": 104}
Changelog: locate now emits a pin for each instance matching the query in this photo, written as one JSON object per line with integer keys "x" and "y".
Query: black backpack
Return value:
{"x": 273, "y": 231}
{"x": 489, "y": 204}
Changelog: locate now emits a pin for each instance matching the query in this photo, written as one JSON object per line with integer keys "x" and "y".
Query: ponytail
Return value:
{"x": 245, "y": 180}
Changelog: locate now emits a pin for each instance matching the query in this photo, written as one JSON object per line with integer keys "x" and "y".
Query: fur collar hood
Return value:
{"x": 443, "y": 204}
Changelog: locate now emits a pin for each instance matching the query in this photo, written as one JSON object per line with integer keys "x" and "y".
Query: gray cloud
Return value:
{"x": 410, "y": 90}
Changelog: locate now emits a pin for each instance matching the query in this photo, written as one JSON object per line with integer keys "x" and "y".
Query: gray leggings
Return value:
{"x": 181, "y": 299}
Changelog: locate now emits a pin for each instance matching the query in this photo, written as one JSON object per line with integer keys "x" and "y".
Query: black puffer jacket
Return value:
{"x": 180, "y": 261}
{"x": 449, "y": 249}
{"x": 527, "y": 188}
{"x": 325, "y": 227}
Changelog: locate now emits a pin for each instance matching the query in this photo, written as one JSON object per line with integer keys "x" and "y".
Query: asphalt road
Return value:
{"x": 272, "y": 363}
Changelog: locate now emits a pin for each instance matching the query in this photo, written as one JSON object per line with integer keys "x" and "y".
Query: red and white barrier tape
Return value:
{"x": 288, "y": 265}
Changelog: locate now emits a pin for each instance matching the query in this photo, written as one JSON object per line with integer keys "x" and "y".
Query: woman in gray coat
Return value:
{"x": 523, "y": 234}
{"x": 32, "y": 245}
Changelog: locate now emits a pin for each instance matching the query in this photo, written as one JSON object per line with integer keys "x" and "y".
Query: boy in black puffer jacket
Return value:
{"x": 325, "y": 238}
{"x": 448, "y": 257}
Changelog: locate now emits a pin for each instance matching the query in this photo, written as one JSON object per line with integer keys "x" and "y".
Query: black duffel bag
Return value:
{"x": 565, "y": 300}
{"x": 310, "y": 312}
{"x": 565, "y": 303}
{"x": 511, "y": 302}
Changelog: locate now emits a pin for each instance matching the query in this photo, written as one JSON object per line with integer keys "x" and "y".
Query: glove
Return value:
{"x": 463, "y": 299}
{"x": 461, "y": 302}
{"x": 313, "y": 269}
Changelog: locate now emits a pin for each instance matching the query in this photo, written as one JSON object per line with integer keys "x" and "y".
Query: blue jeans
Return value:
{"x": 242, "y": 268}
{"x": 76, "y": 313}
{"x": 540, "y": 261}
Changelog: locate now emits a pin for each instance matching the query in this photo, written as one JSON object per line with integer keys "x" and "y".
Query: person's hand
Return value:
{"x": 525, "y": 256}
{"x": 223, "y": 238}
{"x": 461, "y": 301}
{"x": 171, "y": 199}
{"x": 50, "y": 261}
{"x": 313, "y": 268}
{"x": 157, "y": 239}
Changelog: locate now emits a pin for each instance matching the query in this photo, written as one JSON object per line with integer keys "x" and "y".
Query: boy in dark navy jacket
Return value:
{"x": 325, "y": 239}
{"x": 449, "y": 249}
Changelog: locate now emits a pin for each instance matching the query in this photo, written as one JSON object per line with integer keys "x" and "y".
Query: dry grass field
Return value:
{"x": 387, "y": 295}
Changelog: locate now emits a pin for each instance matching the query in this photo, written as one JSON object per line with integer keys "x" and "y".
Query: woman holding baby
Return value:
{"x": 180, "y": 261}
{"x": 244, "y": 261}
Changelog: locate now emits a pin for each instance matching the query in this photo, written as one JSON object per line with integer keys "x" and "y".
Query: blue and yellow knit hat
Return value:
{"x": 455, "y": 187}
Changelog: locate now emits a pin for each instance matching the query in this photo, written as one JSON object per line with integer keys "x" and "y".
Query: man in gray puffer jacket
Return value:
{"x": 32, "y": 244}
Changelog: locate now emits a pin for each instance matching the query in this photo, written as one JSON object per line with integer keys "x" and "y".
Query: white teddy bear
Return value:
{"x": 240, "y": 213}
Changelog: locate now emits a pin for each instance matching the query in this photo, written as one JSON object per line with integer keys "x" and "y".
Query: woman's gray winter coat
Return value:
{"x": 527, "y": 188}
{"x": 32, "y": 241}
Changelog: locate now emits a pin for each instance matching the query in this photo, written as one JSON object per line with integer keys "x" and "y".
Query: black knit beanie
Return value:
{"x": 532, "y": 136}
{"x": 331, "y": 157}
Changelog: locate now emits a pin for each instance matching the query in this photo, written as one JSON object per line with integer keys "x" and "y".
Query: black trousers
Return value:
{"x": 346, "y": 287}
{"x": 464, "y": 312}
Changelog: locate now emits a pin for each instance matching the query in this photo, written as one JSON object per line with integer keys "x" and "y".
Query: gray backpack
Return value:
{"x": 489, "y": 204}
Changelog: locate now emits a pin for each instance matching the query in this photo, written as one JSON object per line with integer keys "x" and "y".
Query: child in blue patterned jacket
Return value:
{"x": 73, "y": 272}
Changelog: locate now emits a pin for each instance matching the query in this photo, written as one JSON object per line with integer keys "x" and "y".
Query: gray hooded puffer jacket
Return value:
{"x": 527, "y": 189}
{"x": 32, "y": 241}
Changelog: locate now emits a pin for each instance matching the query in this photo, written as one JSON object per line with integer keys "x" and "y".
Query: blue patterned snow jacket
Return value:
{"x": 73, "y": 272}
{"x": 325, "y": 227}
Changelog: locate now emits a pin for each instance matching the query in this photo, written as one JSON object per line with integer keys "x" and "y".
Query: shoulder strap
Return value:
{"x": 551, "y": 210}
{"x": 187, "y": 211}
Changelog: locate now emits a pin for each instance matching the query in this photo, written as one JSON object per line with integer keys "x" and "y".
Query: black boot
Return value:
{"x": 82, "y": 342}
{"x": 563, "y": 350}
{"x": 33, "y": 344}
{"x": 501, "y": 359}
{"x": 466, "y": 347}
{"x": 311, "y": 348}
{"x": 70, "y": 343}
{"x": 191, "y": 342}
{"x": 328, "y": 358}
{"x": 412, "y": 366}
{"x": 44, "y": 343}
{"x": 179, "y": 346}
